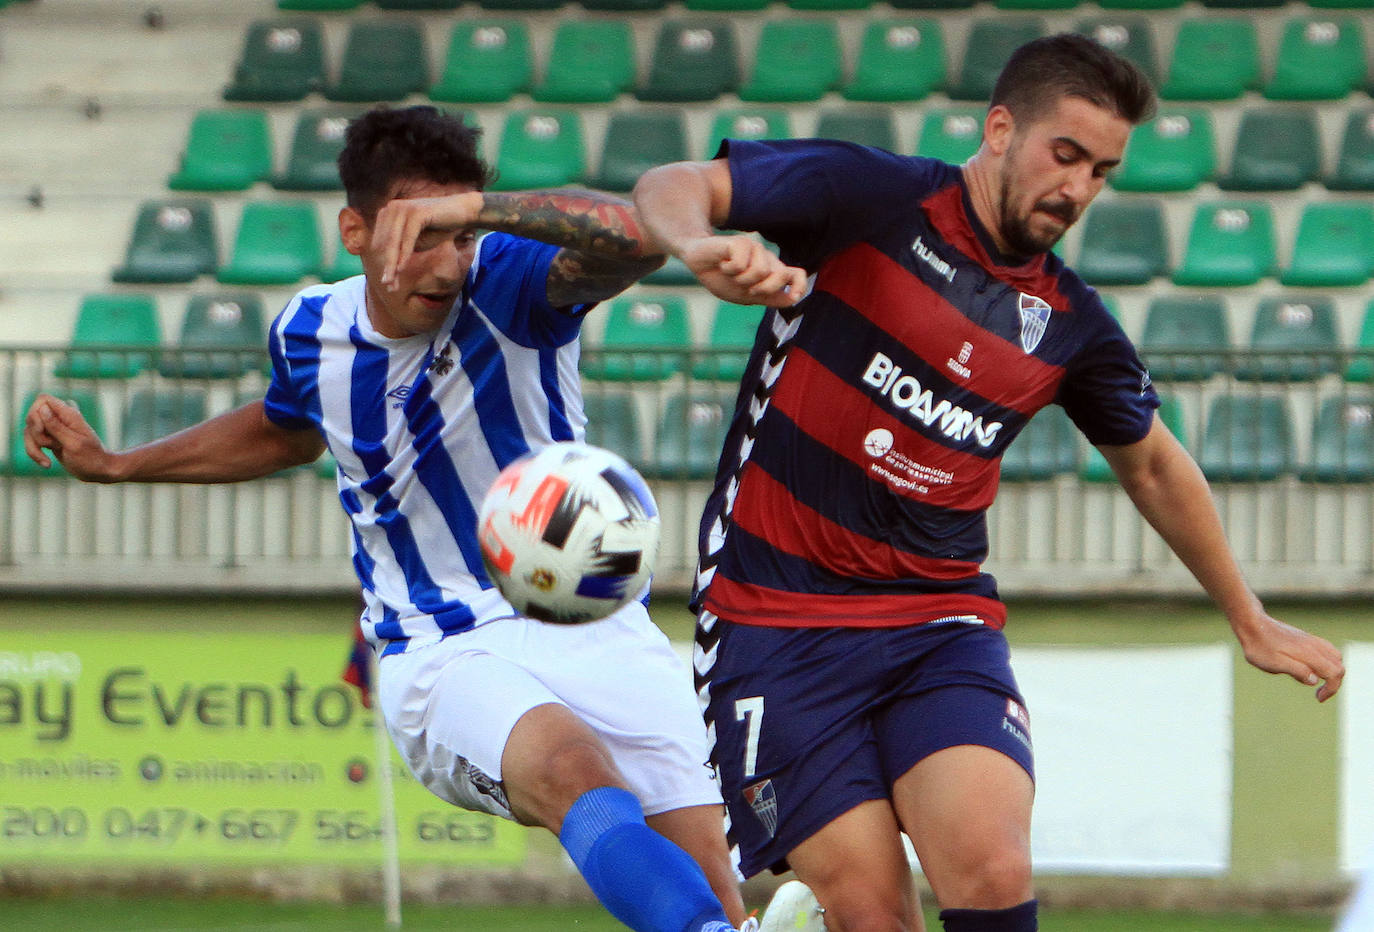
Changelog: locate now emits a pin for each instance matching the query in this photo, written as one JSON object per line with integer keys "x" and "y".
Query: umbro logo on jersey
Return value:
{"x": 945, "y": 270}
{"x": 400, "y": 393}
{"x": 1035, "y": 315}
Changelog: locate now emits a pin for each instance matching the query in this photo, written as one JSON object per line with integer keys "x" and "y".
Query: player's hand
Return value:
{"x": 406, "y": 224}
{"x": 1276, "y": 647}
{"x": 58, "y": 426}
{"x": 741, "y": 270}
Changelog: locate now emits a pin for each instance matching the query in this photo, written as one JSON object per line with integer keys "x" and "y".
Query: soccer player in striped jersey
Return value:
{"x": 453, "y": 355}
{"x": 850, "y": 656}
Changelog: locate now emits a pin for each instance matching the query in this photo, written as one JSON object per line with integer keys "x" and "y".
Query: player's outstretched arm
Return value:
{"x": 237, "y": 445}
{"x": 604, "y": 246}
{"x": 1169, "y": 489}
{"x": 682, "y": 204}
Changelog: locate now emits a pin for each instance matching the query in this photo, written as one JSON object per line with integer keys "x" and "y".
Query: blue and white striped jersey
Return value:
{"x": 421, "y": 426}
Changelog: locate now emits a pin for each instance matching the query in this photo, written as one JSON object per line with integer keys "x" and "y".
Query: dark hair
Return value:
{"x": 1044, "y": 70}
{"x": 384, "y": 146}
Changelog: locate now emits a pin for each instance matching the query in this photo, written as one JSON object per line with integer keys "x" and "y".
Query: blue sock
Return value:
{"x": 1016, "y": 919}
{"x": 642, "y": 878}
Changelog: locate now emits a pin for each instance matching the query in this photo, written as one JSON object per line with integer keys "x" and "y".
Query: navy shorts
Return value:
{"x": 811, "y": 722}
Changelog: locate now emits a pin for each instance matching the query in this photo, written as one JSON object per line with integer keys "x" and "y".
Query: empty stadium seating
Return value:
{"x": 1175, "y": 151}
{"x": 1229, "y": 243}
{"x": 173, "y": 240}
{"x": 899, "y": 59}
{"x": 488, "y": 61}
{"x": 222, "y": 335}
{"x": 796, "y": 60}
{"x": 282, "y": 59}
{"x": 1186, "y": 337}
{"x": 226, "y": 150}
{"x": 592, "y": 61}
{"x": 637, "y": 140}
{"x": 1247, "y": 439}
{"x": 385, "y": 59}
{"x": 123, "y": 320}
{"x": 1299, "y": 336}
{"x": 540, "y": 148}
{"x": 278, "y": 243}
{"x": 1343, "y": 440}
{"x": 1124, "y": 242}
{"x": 688, "y": 435}
{"x": 733, "y": 328}
{"x": 655, "y": 322}
{"x": 1048, "y": 446}
{"x": 693, "y": 60}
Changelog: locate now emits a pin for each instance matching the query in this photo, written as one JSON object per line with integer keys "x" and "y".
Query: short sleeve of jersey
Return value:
{"x": 510, "y": 287}
{"x": 813, "y": 197}
{"x": 293, "y": 345}
{"x": 1107, "y": 391}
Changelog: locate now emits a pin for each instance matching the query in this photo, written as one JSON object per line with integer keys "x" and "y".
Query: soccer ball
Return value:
{"x": 569, "y": 534}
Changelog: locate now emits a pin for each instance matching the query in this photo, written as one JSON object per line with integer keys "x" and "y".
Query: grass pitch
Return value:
{"x": 102, "y": 914}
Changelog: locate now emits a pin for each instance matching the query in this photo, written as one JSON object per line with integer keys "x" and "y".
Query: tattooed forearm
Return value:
{"x": 579, "y": 277}
{"x": 582, "y": 220}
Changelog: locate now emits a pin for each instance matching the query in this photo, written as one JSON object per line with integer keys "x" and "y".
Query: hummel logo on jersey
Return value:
{"x": 1035, "y": 314}
{"x": 920, "y": 403}
{"x": 935, "y": 262}
{"x": 400, "y": 393}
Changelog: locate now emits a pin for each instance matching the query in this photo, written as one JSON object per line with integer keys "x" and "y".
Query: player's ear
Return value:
{"x": 354, "y": 231}
{"x": 998, "y": 127}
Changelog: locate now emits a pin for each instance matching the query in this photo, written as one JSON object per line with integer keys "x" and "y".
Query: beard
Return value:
{"x": 1016, "y": 231}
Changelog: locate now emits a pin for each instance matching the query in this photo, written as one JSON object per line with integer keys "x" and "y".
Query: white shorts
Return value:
{"x": 450, "y": 706}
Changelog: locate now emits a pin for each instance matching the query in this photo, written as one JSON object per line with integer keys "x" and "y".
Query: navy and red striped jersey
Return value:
{"x": 864, "y": 449}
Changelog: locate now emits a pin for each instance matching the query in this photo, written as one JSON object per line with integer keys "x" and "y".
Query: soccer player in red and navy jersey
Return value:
{"x": 850, "y": 655}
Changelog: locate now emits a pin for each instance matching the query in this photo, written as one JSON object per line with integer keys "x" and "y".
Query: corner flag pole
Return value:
{"x": 391, "y": 856}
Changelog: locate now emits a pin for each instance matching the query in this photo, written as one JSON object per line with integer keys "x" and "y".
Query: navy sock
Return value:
{"x": 1016, "y": 919}
{"x": 642, "y": 878}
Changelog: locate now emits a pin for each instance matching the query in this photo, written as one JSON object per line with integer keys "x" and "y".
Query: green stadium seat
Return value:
{"x": 322, "y": 6}
{"x": 688, "y": 436}
{"x": 282, "y": 60}
{"x": 1343, "y": 440}
{"x": 1035, "y": 5}
{"x": 931, "y": 4}
{"x": 645, "y": 340}
{"x": 1186, "y": 337}
{"x": 796, "y": 60}
{"x": 174, "y": 240}
{"x": 830, "y": 6}
{"x": 951, "y": 134}
{"x": 868, "y": 126}
{"x": 316, "y": 142}
{"x": 1242, "y": 4}
{"x": 1173, "y": 152}
{"x": 18, "y": 463}
{"x": 343, "y": 265}
{"x": 108, "y": 320}
{"x": 1361, "y": 367}
{"x": 693, "y": 60}
{"x": 725, "y": 6}
{"x": 1355, "y": 161}
{"x": 383, "y": 59}
{"x": 223, "y": 336}
{"x": 1277, "y": 149}
{"x": 727, "y": 348}
{"x": 1319, "y": 58}
{"x": 592, "y": 61}
{"x": 746, "y": 123}
{"x": 521, "y": 5}
{"x": 624, "y": 6}
{"x": 1247, "y": 439}
{"x": 488, "y": 61}
{"x": 152, "y": 414}
{"x": 990, "y": 43}
{"x": 226, "y": 150}
{"x": 1341, "y": 4}
{"x": 1129, "y": 36}
{"x": 1213, "y": 59}
{"x": 1124, "y": 243}
{"x": 1048, "y": 446}
{"x": 419, "y": 4}
{"x": 540, "y": 148}
{"x": 899, "y": 59}
{"x": 613, "y": 423}
{"x": 326, "y": 467}
{"x": 1302, "y": 330}
{"x": 1095, "y": 467}
{"x": 278, "y": 243}
{"x": 1334, "y": 246}
{"x": 1140, "y": 4}
{"x": 637, "y": 140}
{"x": 1229, "y": 243}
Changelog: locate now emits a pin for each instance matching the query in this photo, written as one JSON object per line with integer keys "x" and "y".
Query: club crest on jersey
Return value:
{"x": 762, "y": 798}
{"x": 442, "y": 364}
{"x": 1035, "y": 315}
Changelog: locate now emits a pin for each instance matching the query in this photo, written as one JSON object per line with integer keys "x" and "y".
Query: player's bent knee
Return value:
{"x": 543, "y": 795}
{"x": 998, "y": 880}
